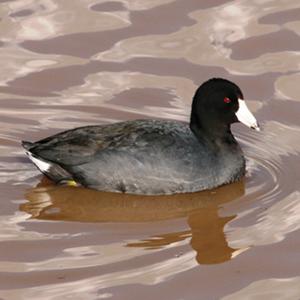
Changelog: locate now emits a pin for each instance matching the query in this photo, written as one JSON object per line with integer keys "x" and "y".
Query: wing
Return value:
{"x": 83, "y": 145}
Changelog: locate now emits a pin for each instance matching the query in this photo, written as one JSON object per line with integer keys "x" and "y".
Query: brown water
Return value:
{"x": 70, "y": 63}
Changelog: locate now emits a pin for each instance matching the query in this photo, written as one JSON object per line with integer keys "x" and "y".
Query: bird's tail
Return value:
{"x": 52, "y": 170}
{"x": 27, "y": 145}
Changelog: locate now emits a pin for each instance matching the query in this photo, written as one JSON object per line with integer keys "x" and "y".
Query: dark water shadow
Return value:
{"x": 201, "y": 211}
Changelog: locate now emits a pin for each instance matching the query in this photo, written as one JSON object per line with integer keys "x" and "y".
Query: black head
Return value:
{"x": 215, "y": 106}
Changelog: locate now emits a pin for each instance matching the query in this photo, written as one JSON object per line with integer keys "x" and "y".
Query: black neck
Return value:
{"x": 208, "y": 129}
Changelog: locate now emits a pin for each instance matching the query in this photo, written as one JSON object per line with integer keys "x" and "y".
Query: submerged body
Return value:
{"x": 153, "y": 156}
{"x": 140, "y": 157}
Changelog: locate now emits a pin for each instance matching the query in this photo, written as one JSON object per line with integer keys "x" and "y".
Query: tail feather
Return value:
{"x": 27, "y": 145}
{"x": 52, "y": 170}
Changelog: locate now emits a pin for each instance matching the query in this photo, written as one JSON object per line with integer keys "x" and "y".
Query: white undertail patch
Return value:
{"x": 41, "y": 164}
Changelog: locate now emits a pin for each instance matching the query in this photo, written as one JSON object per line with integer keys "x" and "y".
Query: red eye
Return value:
{"x": 227, "y": 100}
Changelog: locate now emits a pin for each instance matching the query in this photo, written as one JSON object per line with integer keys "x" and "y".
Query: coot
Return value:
{"x": 153, "y": 156}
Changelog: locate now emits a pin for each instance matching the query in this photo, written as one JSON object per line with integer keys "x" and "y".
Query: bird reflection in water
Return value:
{"x": 201, "y": 210}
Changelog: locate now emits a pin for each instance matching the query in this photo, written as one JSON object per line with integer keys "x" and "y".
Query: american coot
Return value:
{"x": 153, "y": 156}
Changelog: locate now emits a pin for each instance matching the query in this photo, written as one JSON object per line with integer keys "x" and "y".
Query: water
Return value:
{"x": 71, "y": 63}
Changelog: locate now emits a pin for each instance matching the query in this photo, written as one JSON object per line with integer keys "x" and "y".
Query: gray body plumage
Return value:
{"x": 140, "y": 157}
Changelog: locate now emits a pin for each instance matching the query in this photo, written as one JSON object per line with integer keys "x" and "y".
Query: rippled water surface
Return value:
{"x": 76, "y": 62}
